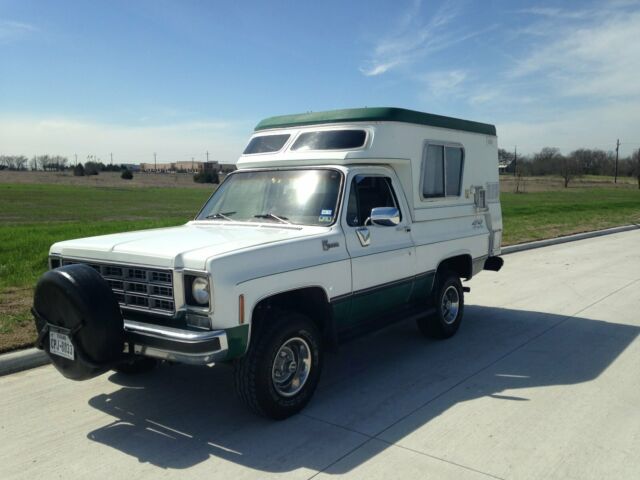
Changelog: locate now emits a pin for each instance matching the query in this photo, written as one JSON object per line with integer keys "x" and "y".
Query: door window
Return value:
{"x": 368, "y": 192}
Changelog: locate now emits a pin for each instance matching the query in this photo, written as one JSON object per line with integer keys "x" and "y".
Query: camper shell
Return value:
{"x": 399, "y": 138}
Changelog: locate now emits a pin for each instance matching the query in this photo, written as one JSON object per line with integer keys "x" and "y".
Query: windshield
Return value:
{"x": 299, "y": 197}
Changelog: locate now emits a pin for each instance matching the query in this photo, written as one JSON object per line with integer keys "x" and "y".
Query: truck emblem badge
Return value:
{"x": 326, "y": 245}
{"x": 364, "y": 235}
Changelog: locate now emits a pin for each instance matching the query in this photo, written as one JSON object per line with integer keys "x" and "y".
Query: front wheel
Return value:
{"x": 448, "y": 300}
{"x": 278, "y": 375}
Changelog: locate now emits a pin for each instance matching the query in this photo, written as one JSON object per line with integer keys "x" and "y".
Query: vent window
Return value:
{"x": 330, "y": 140}
{"x": 266, "y": 144}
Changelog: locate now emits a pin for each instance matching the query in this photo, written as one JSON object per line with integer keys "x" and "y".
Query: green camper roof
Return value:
{"x": 375, "y": 114}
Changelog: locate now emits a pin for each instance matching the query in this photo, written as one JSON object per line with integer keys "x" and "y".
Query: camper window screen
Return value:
{"x": 442, "y": 171}
{"x": 330, "y": 140}
{"x": 266, "y": 143}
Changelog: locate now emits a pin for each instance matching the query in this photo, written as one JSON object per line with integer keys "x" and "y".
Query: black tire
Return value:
{"x": 75, "y": 299}
{"x": 136, "y": 365}
{"x": 255, "y": 372}
{"x": 443, "y": 323}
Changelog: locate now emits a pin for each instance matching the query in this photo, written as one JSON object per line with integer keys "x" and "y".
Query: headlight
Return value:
{"x": 200, "y": 290}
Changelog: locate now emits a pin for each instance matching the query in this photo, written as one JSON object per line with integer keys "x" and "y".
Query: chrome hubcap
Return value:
{"x": 450, "y": 305}
{"x": 291, "y": 367}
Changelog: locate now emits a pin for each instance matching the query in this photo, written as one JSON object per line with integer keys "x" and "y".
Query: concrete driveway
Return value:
{"x": 542, "y": 381}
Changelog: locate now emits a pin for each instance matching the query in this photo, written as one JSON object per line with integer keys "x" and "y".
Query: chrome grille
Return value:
{"x": 137, "y": 287}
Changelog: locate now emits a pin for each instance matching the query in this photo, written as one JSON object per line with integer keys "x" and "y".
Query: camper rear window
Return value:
{"x": 266, "y": 143}
{"x": 442, "y": 171}
{"x": 330, "y": 140}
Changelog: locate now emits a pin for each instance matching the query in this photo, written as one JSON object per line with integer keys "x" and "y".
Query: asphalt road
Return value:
{"x": 542, "y": 381}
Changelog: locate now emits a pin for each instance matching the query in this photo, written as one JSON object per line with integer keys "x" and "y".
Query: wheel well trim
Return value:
{"x": 458, "y": 254}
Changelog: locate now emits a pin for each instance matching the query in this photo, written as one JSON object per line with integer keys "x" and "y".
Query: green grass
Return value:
{"x": 539, "y": 215}
{"x": 32, "y": 217}
{"x": 35, "y": 216}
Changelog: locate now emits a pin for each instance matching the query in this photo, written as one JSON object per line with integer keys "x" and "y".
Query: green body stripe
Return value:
{"x": 362, "y": 306}
{"x": 237, "y": 338}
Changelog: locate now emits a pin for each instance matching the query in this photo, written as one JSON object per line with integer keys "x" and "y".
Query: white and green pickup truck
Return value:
{"x": 335, "y": 223}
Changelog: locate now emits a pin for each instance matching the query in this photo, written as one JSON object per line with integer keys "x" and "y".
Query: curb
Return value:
{"x": 569, "y": 238}
{"x": 14, "y": 362}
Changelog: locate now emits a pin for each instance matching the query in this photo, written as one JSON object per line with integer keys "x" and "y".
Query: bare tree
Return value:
{"x": 521, "y": 181}
{"x": 569, "y": 168}
{"x": 20, "y": 162}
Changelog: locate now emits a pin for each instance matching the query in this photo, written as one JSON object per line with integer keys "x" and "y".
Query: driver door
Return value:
{"x": 382, "y": 257}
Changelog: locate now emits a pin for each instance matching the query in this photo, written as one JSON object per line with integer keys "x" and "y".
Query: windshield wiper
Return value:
{"x": 273, "y": 216}
{"x": 224, "y": 216}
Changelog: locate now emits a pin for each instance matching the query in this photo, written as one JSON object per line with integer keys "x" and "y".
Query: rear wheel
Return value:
{"x": 448, "y": 300}
{"x": 279, "y": 374}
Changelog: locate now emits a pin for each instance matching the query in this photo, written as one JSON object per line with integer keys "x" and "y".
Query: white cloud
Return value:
{"x": 412, "y": 39}
{"x": 443, "y": 83}
{"x": 575, "y": 86}
{"x": 129, "y": 144}
{"x": 11, "y": 30}
{"x": 594, "y": 127}
{"x": 598, "y": 59}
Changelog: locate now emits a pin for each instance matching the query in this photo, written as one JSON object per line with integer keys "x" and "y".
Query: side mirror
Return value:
{"x": 385, "y": 216}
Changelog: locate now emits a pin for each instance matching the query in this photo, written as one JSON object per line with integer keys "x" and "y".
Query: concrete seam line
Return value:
{"x": 520, "y": 247}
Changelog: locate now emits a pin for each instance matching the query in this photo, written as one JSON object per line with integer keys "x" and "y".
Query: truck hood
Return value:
{"x": 187, "y": 246}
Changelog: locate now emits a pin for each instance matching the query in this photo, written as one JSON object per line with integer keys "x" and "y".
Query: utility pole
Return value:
{"x": 192, "y": 164}
{"x": 155, "y": 162}
{"x": 638, "y": 172}
{"x": 76, "y": 155}
{"x": 207, "y": 156}
{"x": 515, "y": 160}
{"x": 615, "y": 179}
{"x": 111, "y": 155}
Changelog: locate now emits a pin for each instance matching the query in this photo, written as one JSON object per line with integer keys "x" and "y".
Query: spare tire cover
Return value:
{"x": 76, "y": 298}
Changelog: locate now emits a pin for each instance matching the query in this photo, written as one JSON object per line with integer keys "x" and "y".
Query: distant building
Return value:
{"x": 187, "y": 166}
{"x": 134, "y": 167}
{"x": 181, "y": 166}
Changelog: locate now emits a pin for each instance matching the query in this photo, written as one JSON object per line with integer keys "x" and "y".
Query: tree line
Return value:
{"x": 583, "y": 161}
{"x": 54, "y": 163}
{"x": 49, "y": 163}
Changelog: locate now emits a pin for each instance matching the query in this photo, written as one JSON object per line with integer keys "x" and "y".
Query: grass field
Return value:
{"x": 35, "y": 215}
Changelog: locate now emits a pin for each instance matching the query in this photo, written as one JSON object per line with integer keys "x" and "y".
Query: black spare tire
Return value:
{"x": 76, "y": 302}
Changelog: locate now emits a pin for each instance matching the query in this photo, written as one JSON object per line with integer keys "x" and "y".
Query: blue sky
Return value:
{"x": 183, "y": 77}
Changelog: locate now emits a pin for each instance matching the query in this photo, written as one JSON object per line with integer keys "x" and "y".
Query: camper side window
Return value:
{"x": 442, "y": 171}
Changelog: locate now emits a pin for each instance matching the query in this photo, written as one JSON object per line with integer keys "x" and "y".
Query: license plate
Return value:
{"x": 60, "y": 344}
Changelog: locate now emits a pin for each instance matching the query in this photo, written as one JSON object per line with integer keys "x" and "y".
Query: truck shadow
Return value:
{"x": 180, "y": 416}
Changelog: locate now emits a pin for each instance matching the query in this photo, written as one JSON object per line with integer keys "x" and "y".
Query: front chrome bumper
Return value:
{"x": 167, "y": 343}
